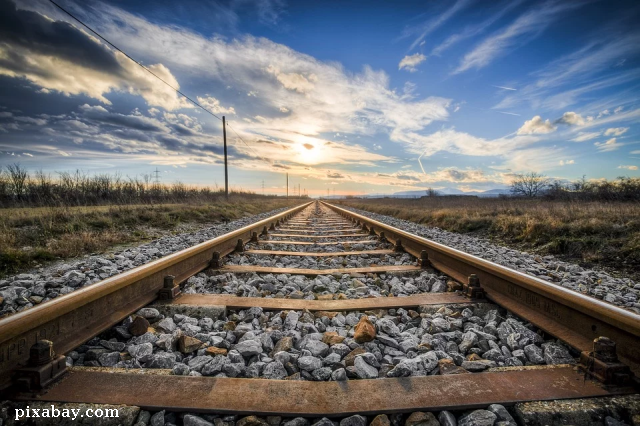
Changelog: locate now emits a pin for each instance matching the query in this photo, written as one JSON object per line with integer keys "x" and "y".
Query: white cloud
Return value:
{"x": 610, "y": 145}
{"x": 293, "y": 81}
{"x": 571, "y": 118}
{"x": 213, "y": 105}
{"x": 618, "y": 109}
{"x": 586, "y": 136}
{"x": 615, "y": 131}
{"x": 536, "y": 125}
{"x": 636, "y": 152}
{"x": 562, "y": 82}
{"x": 530, "y": 24}
{"x": 628, "y": 167}
{"x": 431, "y": 25}
{"x": 566, "y": 162}
{"x": 410, "y": 62}
{"x": 284, "y": 109}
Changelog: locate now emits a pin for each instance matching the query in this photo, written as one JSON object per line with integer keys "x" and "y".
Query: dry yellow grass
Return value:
{"x": 607, "y": 234}
{"x": 31, "y": 236}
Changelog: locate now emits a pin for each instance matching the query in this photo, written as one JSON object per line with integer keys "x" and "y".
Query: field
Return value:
{"x": 32, "y": 236}
{"x": 605, "y": 234}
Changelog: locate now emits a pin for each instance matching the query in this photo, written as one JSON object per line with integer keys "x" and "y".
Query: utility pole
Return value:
{"x": 157, "y": 173}
{"x": 226, "y": 171}
{"x": 287, "y": 185}
{"x": 262, "y": 187}
{"x": 298, "y": 190}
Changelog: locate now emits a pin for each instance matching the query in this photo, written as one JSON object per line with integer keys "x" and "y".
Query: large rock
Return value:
{"x": 138, "y": 326}
{"x": 364, "y": 330}
{"x": 380, "y": 420}
{"x": 332, "y": 338}
{"x": 188, "y": 344}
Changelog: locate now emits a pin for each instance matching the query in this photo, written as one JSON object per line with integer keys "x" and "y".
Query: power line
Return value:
{"x": 154, "y": 74}
{"x": 127, "y": 55}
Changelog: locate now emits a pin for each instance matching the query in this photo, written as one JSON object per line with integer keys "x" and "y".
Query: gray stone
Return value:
{"x": 309, "y": 363}
{"x": 161, "y": 360}
{"x": 339, "y": 375}
{"x": 191, "y": 420}
{"x": 356, "y": 420}
{"x": 249, "y": 348}
{"x": 446, "y": 418}
{"x": 502, "y": 414}
{"x": 298, "y": 421}
{"x": 478, "y": 418}
{"x": 109, "y": 359}
{"x": 364, "y": 370}
{"x": 157, "y": 419}
{"x": 557, "y": 354}
{"x": 274, "y": 370}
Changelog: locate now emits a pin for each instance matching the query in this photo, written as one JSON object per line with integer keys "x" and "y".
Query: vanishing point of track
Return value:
{"x": 32, "y": 342}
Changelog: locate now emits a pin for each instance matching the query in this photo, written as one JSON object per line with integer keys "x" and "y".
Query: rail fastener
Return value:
{"x": 170, "y": 289}
{"x": 43, "y": 368}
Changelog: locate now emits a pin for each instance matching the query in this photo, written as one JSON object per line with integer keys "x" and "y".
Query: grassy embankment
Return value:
{"x": 31, "y": 236}
{"x": 591, "y": 233}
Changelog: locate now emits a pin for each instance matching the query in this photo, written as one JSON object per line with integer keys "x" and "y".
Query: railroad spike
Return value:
{"x": 44, "y": 367}
{"x": 272, "y": 227}
{"x": 239, "y": 246}
{"x": 216, "y": 261}
{"x": 254, "y": 237}
{"x": 603, "y": 365}
{"x": 382, "y": 238}
{"x": 398, "y": 246}
{"x": 170, "y": 289}
{"x": 424, "y": 259}
{"x": 473, "y": 289}
{"x": 372, "y": 231}
{"x": 265, "y": 232}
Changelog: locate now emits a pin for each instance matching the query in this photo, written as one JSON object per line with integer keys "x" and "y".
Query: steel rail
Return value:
{"x": 570, "y": 316}
{"x": 70, "y": 320}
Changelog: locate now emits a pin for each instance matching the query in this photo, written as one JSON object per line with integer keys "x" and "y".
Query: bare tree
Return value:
{"x": 529, "y": 184}
{"x": 430, "y": 192}
{"x": 18, "y": 176}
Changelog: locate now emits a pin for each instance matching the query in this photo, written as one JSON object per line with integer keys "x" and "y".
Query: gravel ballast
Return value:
{"x": 22, "y": 291}
{"x": 599, "y": 284}
{"x": 322, "y": 346}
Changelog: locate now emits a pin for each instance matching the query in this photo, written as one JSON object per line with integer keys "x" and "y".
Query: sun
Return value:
{"x": 309, "y": 150}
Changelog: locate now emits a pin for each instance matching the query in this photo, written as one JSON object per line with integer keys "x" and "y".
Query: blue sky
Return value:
{"x": 355, "y": 97}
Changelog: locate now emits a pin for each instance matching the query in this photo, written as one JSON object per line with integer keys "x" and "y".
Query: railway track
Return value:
{"x": 296, "y": 315}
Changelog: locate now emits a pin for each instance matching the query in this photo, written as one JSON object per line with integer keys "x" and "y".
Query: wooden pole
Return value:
{"x": 226, "y": 171}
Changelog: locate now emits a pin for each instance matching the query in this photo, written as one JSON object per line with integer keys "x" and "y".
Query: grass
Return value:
{"x": 590, "y": 233}
{"x": 33, "y": 236}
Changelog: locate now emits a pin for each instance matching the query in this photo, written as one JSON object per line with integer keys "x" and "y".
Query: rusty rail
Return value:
{"x": 570, "y": 316}
{"x": 70, "y": 320}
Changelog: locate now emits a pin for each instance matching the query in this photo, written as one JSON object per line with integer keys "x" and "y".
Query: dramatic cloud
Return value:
{"x": 410, "y": 62}
{"x": 536, "y": 125}
{"x": 57, "y": 56}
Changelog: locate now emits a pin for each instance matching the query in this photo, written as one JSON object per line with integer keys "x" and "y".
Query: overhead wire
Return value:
{"x": 152, "y": 73}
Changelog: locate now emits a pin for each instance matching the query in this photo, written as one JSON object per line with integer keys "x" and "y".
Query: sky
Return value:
{"x": 348, "y": 97}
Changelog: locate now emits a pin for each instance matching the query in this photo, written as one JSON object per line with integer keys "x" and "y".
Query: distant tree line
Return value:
{"x": 19, "y": 188}
{"x": 532, "y": 185}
